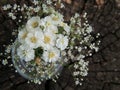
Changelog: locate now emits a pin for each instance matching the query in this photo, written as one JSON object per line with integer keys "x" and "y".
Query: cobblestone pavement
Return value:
{"x": 104, "y": 73}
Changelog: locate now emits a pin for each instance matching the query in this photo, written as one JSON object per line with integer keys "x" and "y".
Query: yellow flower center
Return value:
{"x": 24, "y": 35}
{"x": 62, "y": 24}
{"x": 25, "y": 52}
{"x": 47, "y": 39}
{"x": 33, "y": 39}
{"x": 55, "y": 18}
{"x": 48, "y": 24}
{"x": 62, "y": 41}
{"x": 51, "y": 55}
{"x": 35, "y": 24}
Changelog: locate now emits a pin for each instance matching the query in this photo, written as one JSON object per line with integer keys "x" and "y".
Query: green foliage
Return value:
{"x": 38, "y": 52}
{"x": 60, "y": 30}
{"x": 3, "y": 2}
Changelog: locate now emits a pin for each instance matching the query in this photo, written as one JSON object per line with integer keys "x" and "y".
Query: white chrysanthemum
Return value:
{"x": 25, "y": 53}
{"x": 48, "y": 22}
{"x": 56, "y": 18}
{"x": 34, "y": 39}
{"x": 48, "y": 40}
{"x": 62, "y": 42}
{"x": 22, "y": 35}
{"x": 51, "y": 55}
{"x": 33, "y": 23}
{"x": 52, "y": 20}
{"x": 66, "y": 27}
{"x": 53, "y": 29}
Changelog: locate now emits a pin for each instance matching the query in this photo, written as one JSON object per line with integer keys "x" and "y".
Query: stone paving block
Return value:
{"x": 26, "y": 86}
{"x": 95, "y": 67}
{"x": 115, "y": 87}
{"x": 69, "y": 88}
{"x": 118, "y": 33}
{"x": 107, "y": 40}
{"x": 115, "y": 47}
{"x": 17, "y": 80}
{"x": 53, "y": 86}
{"x": 97, "y": 58}
{"x": 6, "y": 85}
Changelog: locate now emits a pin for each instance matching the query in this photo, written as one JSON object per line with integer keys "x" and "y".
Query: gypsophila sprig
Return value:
{"x": 45, "y": 43}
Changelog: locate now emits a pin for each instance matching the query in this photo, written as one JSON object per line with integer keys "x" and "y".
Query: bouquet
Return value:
{"x": 46, "y": 43}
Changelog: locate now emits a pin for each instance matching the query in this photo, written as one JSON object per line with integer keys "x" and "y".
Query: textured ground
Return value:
{"x": 104, "y": 66}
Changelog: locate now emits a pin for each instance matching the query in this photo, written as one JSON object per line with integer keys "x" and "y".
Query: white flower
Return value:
{"x": 10, "y": 14}
{"x": 22, "y": 35}
{"x": 57, "y": 18}
{"x": 14, "y": 17}
{"x": 77, "y": 82}
{"x": 49, "y": 1}
{"x": 34, "y": 39}
{"x": 4, "y": 62}
{"x": 76, "y": 15}
{"x": 53, "y": 29}
{"x": 15, "y": 6}
{"x": 62, "y": 42}
{"x": 48, "y": 40}
{"x": 52, "y": 20}
{"x": 25, "y": 53}
{"x": 36, "y": 2}
{"x": 48, "y": 22}
{"x": 76, "y": 66}
{"x": 76, "y": 73}
{"x": 6, "y": 7}
{"x": 37, "y": 9}
{"x": 51, "y": 55}
{"x": 62, "y": 5}
{"x": 47, "y": 9}
{"x": 33, "y": 23}
{"x": 89, "y": 29}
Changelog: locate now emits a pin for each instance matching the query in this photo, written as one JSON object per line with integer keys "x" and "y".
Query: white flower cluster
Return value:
{"x": 47, "y": 41}
{"x": 43, "y": 33}
{"x": 81, "y": 69}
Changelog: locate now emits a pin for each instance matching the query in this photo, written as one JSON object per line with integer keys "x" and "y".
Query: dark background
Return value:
{"x": 104, "y": 73}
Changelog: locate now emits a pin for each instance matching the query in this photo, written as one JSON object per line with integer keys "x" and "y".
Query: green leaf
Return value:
{"x": 60, "y": 30}
{"x": 40, "y": 13}
{"x": 38, "y": 52}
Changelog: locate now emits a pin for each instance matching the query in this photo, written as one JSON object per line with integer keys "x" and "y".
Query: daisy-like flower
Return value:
{"x": 48, "y": 21}
{"x": 48, "y": 40}
{"x": 62, "y": 42}
{"x": 33, "y": 23}
{"x": 22, "y": 35}
{"x": 51, "y": 55}
{"x": 25, "y": 53}
{"x": 52, "y": 20}
{"x": 53, "y": 29}
{"x": 56, "y": 18}
{"x": 34, "y": 39}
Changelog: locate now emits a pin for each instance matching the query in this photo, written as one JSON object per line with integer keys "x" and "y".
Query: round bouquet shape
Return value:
{"x": 36, "y": 53}
{"x": 47, "y": 41}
